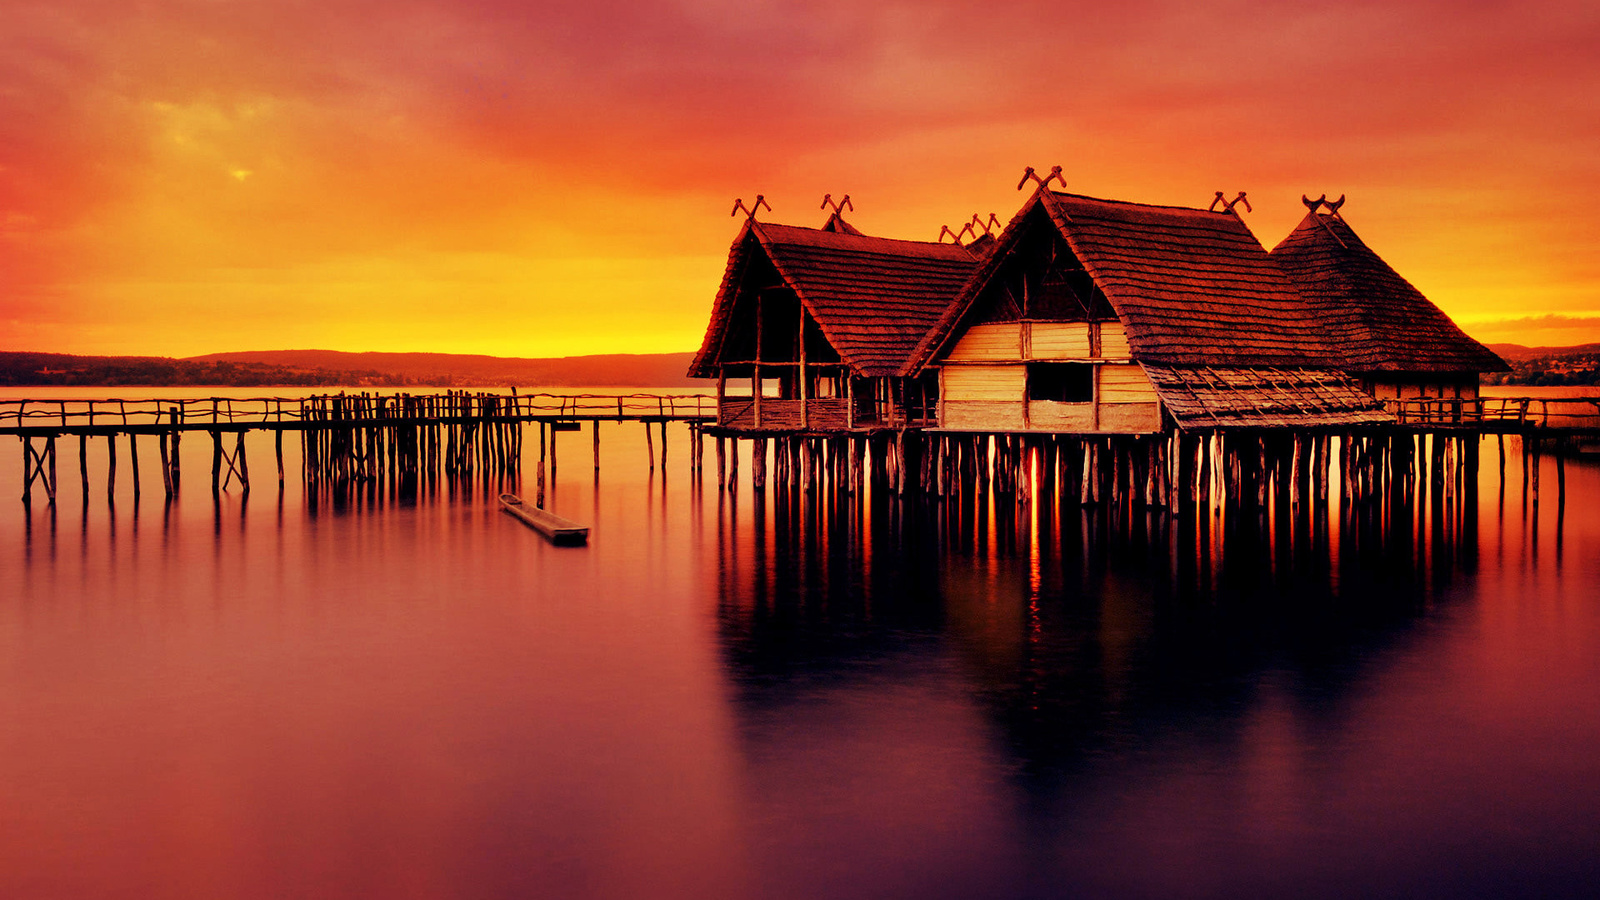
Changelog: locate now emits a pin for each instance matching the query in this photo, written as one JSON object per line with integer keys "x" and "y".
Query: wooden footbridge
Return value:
{"x": 344, "y": 437}
{"x": 351, "y": 438}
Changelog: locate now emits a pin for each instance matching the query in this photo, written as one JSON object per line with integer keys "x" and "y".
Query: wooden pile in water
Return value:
{"x": 408, "y": 439}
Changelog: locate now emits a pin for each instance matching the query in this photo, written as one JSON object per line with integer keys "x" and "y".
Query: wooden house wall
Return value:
{"x": 1390, "y": 387}
{"x": 1013, "y": 341}
{"x": 993, "y": 397}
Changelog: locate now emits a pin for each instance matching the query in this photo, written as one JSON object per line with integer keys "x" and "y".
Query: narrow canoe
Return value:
{"x": 557, "y": 529}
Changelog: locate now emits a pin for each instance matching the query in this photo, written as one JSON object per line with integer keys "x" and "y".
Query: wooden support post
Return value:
{"x": 733, "y": 464}
{"x": 166, "y": 465}
{"x": 663, "y": 446}
{"x": 596, "y": 426}
{"x": 902, "y": 475}
{"x": 553, "y": 434}
{"x": 722, "y": 465}
{"x": 758, "y": 463}
{"x": 216, "y": 461}
{"x": 1500, "y": 444}
{"x": 277, "y": 446}
{"x": 243, "y": 462}
{"x": 83, "y": 464}
{"x": 1297, "y": 445}
{"x": 133, "y": 462}
{"x": 1534, "y": 443}
{"x": 111, "y": 468}
{"x": 41, "y": 465}
{"x": 177, "y": 456}
{"x": 539, "y": 477}
{"x": 1561, "y": 477}
{"x": 649, "y": 445}
{"x": 858, "y": 453}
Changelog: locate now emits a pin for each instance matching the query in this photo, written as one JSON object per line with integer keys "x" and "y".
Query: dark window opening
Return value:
{"x": 1061, "y": 382}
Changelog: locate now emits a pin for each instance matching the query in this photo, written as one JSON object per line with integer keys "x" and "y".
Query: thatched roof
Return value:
{"x": 873, "y": 298}
{"x": 1193, "y": 287}
{"x": 1380, "y": 322}
{"x": 1205, "y": 397}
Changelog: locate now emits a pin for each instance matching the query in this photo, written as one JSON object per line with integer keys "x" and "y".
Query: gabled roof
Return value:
{"x": 1206, "y": 397}
{"x": 1378, "y": 320}
{"x": 873, "y": 298}
{"x": 1193, "y": 287}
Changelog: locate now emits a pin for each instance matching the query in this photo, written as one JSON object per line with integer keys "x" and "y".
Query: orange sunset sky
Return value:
{"x": 180, "y": 177}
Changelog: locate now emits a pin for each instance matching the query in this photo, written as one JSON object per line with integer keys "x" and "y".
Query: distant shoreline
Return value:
{"x": 337, "y": 369}
{"x": 1537, "y": 366}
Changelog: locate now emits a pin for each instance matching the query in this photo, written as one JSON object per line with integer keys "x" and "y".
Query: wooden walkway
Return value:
{"x": 345, "y": 437}
{"x": 401, "y": 439}
{"x": 46, "y": 418}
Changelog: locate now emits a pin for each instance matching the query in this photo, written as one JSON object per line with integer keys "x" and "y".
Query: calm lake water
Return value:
{"x": 730, "y": 695}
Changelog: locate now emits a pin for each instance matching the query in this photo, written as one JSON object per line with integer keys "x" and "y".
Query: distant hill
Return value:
{"x": 20, "y": 369}
{"x": 332, "y": 368}
{"x": 1578, "y": 365}
{"x": 649, "y": 369}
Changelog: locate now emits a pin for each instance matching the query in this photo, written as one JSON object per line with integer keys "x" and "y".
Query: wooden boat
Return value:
{"x": 557, "y": 529}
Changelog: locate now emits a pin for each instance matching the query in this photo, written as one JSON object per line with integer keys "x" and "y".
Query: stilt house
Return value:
{"x": 1393, "y": 339}
{"x": 1099, "y": 316}
{"x": 812, "y": 328}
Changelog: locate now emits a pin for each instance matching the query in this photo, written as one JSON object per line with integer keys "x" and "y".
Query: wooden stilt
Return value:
{"x": 133, "y": 462}
{"x": 1534, "y": 443}
{"x": 111, "y": 468}
{"x": 83, "y": 464}
{"x": 243, "y": 462}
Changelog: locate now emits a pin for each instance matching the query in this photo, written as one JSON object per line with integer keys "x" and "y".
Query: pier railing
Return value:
{"x": 229, "y": 413}
{"x": 1499, "y": 413}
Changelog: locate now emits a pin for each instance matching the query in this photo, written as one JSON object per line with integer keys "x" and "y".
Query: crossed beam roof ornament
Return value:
{"x": 1228, "y": 205}
{"x": 1333, "y": 210}
{"x": 828, "y": 202}
{"x": 750, "y": 211}
{"x": 970, "y": 229}
{"x": 1055, "y": 175}
{"x": 1314, "y": 205}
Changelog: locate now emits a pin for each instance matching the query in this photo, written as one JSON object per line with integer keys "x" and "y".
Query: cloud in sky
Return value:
{"x": 187, "y": 176}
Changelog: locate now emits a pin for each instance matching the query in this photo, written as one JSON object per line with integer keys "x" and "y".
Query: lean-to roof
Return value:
{"x": 1206, "y": 397}
{"x": 1380, "y": 322}
{"x": 873, "y": 298}
{"x": 1193, "y": 287}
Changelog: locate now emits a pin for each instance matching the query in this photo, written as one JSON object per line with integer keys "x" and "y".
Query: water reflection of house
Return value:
{"x": 861, "y": 303}
{"x": 1398, "y": 343}
{"x": 1085, "y": 316}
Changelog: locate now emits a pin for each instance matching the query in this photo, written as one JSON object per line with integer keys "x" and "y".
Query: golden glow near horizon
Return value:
{"x": 186, "y": 177}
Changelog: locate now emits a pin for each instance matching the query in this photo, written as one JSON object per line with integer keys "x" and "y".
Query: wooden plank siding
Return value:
{"x": 1013, "y": 341}
{"x": 1125, "y": 383}
{"x": 1384, "y": 389}
{"x": 1002, "y": 341}
{"x": 998, "y": 382}
{"x": 1060, "y": 340}
{"x": 976, "y": 397}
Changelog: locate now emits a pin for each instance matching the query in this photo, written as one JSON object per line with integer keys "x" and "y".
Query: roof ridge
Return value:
{"x": 1196, "y": 209}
